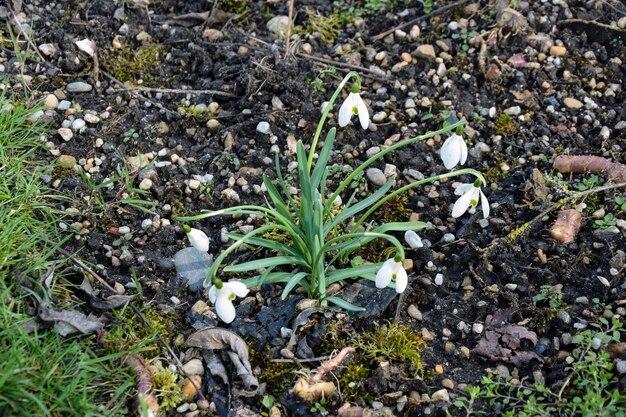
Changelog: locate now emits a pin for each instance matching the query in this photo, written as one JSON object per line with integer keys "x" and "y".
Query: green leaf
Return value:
{"x": 322, "y": 160}
{"x": 265, "y": 243}
{"x": 292, "y": 283}
{"x": 277, "y": 199}
{"x": 265, "y": 263}
{"x": 357, "y": 271}
{"x": 358, "y": 207}
{"x": 344, "y": 304}
{"x": 400, "y": 227}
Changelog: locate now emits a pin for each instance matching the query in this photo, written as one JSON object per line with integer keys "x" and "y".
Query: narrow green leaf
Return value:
{"x": 400, "y": 227}
{"x": 357, "y": 271}
{"x": 265, "y": 263}
{"x": 291, "y": 284}
{"x": 322, "y": 160}
{"x": 360, "y": 206}
{"x": 344, "y": 304}
{"x": 266, "y": 243}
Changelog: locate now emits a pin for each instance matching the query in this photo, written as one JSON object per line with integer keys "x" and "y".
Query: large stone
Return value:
{"x": 426, "y": 51}
{"x": 278, "y": 25}
{"x": 193, "y": 266}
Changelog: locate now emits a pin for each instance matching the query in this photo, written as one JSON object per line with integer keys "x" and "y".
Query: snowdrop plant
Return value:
{"x": 454, "y": 151}
{"x": 322, "y": 230}
{"x": 197, "y": 238}
{"x": 470, "y": 195}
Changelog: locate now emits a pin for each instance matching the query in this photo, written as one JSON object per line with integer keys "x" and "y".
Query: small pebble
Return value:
{"x": 78, "y": 87}
{"x": 263, "y": 127}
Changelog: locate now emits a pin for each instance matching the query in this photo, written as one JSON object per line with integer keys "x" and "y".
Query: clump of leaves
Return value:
{"x": 588, "y": 183}
{"x": 395, "y": 343}
{"x": 166, "y": 387}
{"x": 505, "y": 126}
{"x": 607, "y": 221}
{"x": 621, "y": 202}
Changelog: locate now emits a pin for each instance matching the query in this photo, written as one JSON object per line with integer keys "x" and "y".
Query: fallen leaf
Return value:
{"x": 214, "y": 338}
{"x": 70, "y": 321}
{"x": 502, "y": 340}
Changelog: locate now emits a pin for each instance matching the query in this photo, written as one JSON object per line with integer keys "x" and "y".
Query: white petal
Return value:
{"x": 485, "y": 204}
{"x": 401, "y": 278}
{"x": 212, "y": 293}
{"x": 413, "y": 239}
{"x": 463, "y": 151}
{"x": 450, "y": 152}
{"x": 462, "y": 204}
{"x": 345, "y": 111}
{"x": 237, "y": 288}
{"x": 199, "y": 240}
{"x": 364, "y": 116}
{"x": 383, "y": 276}
{"x": 225, "y": 308}
{"x": 463, "y": 188}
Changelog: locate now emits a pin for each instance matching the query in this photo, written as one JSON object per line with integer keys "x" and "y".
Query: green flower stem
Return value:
{"x": 329, "y": 106}
{"x": 392, "y": 148}
{"x": 415, "y": 184}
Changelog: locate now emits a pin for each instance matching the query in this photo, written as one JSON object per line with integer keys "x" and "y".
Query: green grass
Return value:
{"x": 41, "y": 373}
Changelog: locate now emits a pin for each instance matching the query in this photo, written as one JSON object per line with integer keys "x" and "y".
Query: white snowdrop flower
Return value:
{"x": 222, "y": 295}
{"x": 470, "y": 194}
{"x": 197, "y": 238}
{"x": 454, "y": 151}
{"x": 352, "y": 105}
{"x": 392, "y": 270}
{"x": 413, "y": 239}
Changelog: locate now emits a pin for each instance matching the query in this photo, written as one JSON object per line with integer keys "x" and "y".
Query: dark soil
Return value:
{"x": 488, "y": 266}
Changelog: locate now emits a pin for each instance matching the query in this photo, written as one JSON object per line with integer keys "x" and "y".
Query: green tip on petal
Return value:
{"x": 186, "y": 228}
{"x": 218, "y": 283}
{"x": 398, "y": 258}
{"x": 355, "y": 110}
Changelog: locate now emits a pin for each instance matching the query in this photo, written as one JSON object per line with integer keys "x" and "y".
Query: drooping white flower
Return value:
{"x": 470, "y": 195}
{"x": 352, "y": 105}
{"x": 392, "y": 270}
{"x": 223, "y": 298}
{"x": 413, "y": 239}
{"x": 454, "y": 151}
{"x": 198, "y": 239}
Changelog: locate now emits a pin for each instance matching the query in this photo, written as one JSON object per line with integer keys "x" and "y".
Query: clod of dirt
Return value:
{"x": 566, "y": 226}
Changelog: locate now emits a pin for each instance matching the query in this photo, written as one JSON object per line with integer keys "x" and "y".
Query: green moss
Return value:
{"x": 327, "y": 26}
{"x": 505, "y": 126}
{"x": 166, "y": 388}
{"x": 132, "y": 331}
{"x": 351, "y": 383}
{"x": 395, "y": 343}
{"x": 133, "y": 65}
{"x": 277, "y": 376}
{"x": 516, "y": 233}
{"x": 235, "y": 6}
{"x": 394, "y": 209}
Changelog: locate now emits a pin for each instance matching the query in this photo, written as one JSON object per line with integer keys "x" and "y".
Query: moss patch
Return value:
{"x": 137, "y": 66}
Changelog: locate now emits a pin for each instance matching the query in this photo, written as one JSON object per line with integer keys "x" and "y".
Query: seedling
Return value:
{"x": 607, "y": 221}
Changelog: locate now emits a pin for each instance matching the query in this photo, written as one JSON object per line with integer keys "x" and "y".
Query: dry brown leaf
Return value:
{"x": 214, "y": 338}
{"x": 69, "y": 321}
{"x": 113, "y": 301}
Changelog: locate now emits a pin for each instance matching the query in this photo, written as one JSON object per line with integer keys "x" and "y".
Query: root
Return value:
{"x": 583, "y": 164}
{"x": 566, "y": 226}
